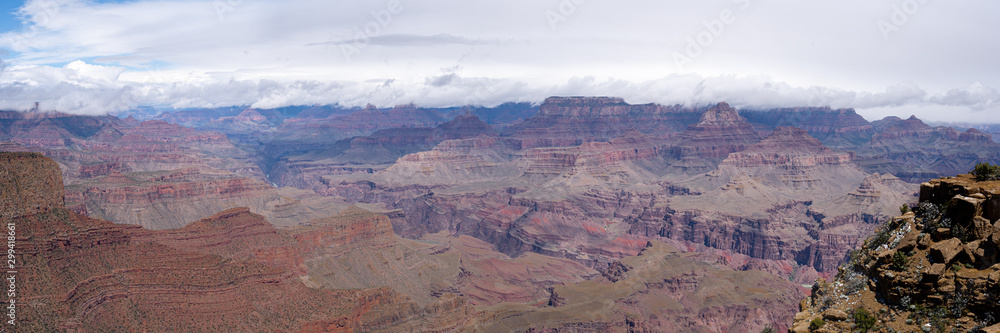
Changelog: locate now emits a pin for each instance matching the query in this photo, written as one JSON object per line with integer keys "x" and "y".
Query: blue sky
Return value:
{"x": 934, "y": 59}
{"x": 8, "y": 20}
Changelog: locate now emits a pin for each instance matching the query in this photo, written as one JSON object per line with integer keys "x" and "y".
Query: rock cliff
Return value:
{"x": 569, "y": 121}
{"x": 170, "y": 199}
{"x": 30, "y": 184}
{"x": 661, "y": 290}
{"x": 840, "y": 128}
{"x": 369, "y": 154}
{"x": 720, "y": 131}
{"x": 916, "y": 152}
{"x": 934, "y": 269}
{"x": 81, "y": 274}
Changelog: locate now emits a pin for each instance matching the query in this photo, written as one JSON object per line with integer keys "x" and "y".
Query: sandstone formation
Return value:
{"x": 171, "y": 199}
{"x": 916, "y": 152}
{"x": 785, "y": 197}
{"x": 460, "y": 221}
{"x": 570, "y": 121}
{"x": 30, "y": 184}
{"x": 840, "y": 128}
{"x": 661, "y": 290}
{"x": 720, "y": 131}
{"x": 89, "y": 275}
{"x": 369, "y": 154}
{"x": 934, "y": 269}
{"x": 86, "y": 147}
{"x": 482, "y": 158}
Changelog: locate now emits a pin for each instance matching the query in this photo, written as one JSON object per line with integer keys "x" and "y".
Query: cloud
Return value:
{"x": 93, "y": 57}
{"x": 84, "y": 88}
{"x": 976, "y": 96}
{"x": 406, "y": 40}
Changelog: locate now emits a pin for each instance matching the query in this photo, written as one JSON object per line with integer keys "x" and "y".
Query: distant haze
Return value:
{"x": 934, "y": 59}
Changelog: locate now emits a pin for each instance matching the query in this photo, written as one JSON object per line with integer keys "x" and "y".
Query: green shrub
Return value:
{"x": 880, "y": 238}
{"x": 986, "y": 171}
{"x": 863, "y": 321}
{"x": 899, "y": 261}
{"x": 904, "y": 209}
{"x": 815, "y": 324}
{"x": 768, "y": 329}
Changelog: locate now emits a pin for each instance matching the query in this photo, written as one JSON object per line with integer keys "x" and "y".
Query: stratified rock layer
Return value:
{"x": 29, "y": 184}
{"x": 86, "y": 275}
{"x": 720, "y": 131}
{"x": 570, "y": 121}
{"x": 661, "y": 290}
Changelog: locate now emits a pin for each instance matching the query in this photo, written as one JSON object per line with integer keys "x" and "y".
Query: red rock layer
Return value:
{"x": 598, "y": 158}
{"x": 29, "y": 184}
{"x": 570, "y": 121}
{"x": 787, "y": 146}
{"x": 364, "y": 122}
{"x": 368, "y": 154}
{"x": 841, "y": 128}
{"x": 102, "y": 169}
{"x": 720, "y": 131}
{"x": 917, "y": 152}
{"x": 236, "y": 233}
{"x": 132, "y": 193}
{"x": 86, "y": 275}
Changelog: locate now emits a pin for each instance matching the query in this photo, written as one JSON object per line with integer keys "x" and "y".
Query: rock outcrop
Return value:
{"x": 86, "y": 147}
{"x": 662, "y": 290}
{"x": 933, "y": 269}
{"x": 787, "y": 197}
{"x": 81, "y": 274}
{"x": 570, "y": 121}
{"x": 30, "y": 184}
{"x": 791, "y": 158}
{"x": 840, "y": 128}
{"x": 482, "y": 158}
{"x": 720, "y": 131}
{"x": 369, "y": 154}
{"x": 916, "y": 152}
{"x": 171, "y": 199}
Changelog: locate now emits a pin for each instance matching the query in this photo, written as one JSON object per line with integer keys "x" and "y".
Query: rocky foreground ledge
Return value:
{"x": 933, "y": 269}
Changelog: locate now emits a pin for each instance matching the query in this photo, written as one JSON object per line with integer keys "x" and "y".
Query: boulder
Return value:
{"x": 964, "y": 209}
{"x": 974, "y": 251}
{"x": 909, "y": 240}
{"x": 923, "y": 241}
{"x": 980, "y": 228}
{"x": 992, "y": 329}
{"x": 946, "y": 284}
{"x": 946, "y": 251}
{"x": 834, "y": 314}
{"x": 991, "y": 208}
{"x": 800, "y": 327}
{"x": 934, "y": 272}
{"x": 987, "y": 253}
{"x": 941, "y": 234}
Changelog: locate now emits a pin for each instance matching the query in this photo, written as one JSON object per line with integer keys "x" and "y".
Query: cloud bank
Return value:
{"x": 98, "y": 57}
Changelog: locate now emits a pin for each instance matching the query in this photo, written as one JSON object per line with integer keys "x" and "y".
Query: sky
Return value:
{"x": 934, "y": 59}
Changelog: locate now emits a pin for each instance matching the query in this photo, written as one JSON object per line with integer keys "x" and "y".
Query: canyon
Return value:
{"x": 580, "y": 214}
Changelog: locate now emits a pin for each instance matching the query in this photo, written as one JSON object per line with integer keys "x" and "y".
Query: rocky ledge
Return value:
{"x": 933, "y": 269}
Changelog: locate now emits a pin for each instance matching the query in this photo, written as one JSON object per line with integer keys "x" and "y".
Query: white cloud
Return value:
{"x": 196, "y": 53}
